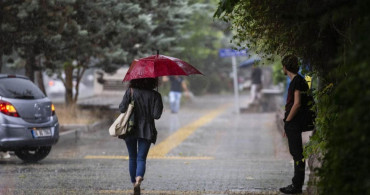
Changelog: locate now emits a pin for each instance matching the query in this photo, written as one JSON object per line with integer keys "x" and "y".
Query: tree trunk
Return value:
{"x": 80, "y": 74}
{"x": 68, "y": 70}
{"x": 30, "y": 64}
{"x": 40, "y": 81}
{"x": 40, "y": 77}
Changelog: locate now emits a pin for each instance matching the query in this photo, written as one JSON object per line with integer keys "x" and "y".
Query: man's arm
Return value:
{"x": 165, "y": 78}
{"x": 296, "y": 105}
{"x": 185, "y": 87}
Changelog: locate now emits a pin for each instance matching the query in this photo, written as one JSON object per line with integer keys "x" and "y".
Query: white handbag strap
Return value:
{"x": 132, "y": 94}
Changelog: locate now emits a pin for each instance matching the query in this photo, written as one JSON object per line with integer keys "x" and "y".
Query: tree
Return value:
{"x": 8, "y": 30}
{"x": 331, "y": 36}
{"x": 146, "y": 26}
{"x": 70, "y": 33}
{"x": 67, "y": 34}
{"x": 30, "y": 28}
{"x": 73, "y": 47}
{"x": 201, "y": 38}
{"x": 119, "y": 30}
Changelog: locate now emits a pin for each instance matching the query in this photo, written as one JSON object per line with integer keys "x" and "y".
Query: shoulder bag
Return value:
{"x": 125, "y": 121}
{"x": 308, "y": 115}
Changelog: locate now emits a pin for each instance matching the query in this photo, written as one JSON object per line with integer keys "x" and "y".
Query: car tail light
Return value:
{"x": 52, "y": 109}
{"x": 51, "y": 83}
{"x": 8, "y": 109}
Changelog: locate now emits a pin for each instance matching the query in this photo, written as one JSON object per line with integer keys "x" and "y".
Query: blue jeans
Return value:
{"x": 138, "y": 151}
{"x": 175, "y": 99}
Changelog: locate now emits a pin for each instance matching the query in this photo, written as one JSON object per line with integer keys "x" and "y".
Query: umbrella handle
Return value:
{"x": 157, "y": 52}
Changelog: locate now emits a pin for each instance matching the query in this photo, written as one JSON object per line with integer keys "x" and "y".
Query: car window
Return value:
{"x": 18, "y": 88}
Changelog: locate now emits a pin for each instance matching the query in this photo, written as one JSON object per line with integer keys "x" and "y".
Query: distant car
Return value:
{"x": 28, "y": 123}
{"x": 54, "y": 87}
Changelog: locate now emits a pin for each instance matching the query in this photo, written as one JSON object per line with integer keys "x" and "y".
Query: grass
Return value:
{"x": 74, "y": 115}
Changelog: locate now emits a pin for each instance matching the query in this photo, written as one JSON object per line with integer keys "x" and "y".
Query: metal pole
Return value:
{"x": 236, "y": 88}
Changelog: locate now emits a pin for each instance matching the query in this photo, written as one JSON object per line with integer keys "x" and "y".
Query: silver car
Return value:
{"x": 28, "y": 123}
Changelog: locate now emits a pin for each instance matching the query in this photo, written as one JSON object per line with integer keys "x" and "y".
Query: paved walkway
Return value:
{"x": 204, "y": 149}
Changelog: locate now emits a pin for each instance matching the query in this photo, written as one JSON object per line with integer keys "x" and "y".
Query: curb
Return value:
{"x": 75, "y": 128}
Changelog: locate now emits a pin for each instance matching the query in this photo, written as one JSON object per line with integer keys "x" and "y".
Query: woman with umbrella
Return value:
{"x": 143, "y": 76}
{"x": 147, "y": 107}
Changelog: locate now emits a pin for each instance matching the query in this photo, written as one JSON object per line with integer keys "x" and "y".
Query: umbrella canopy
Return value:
{"x": 158, "y": 65}
{"x": 248, "y": 62}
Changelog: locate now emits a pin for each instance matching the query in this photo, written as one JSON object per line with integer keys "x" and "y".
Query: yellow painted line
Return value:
{"x": 149, "y": 192}
{"x": 181, "y": 134}
{"x": 160, "y": 150}
{"x": 106, "y": 157}
{"x": 155, "y": 192}
{"x": 160, "y": 192}
{"x": 151, "y": 157}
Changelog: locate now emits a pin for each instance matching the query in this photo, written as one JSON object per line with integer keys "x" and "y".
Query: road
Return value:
{"x": 204, "y": 149}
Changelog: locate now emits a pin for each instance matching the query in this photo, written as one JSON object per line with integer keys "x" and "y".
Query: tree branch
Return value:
{"x": 318, "y": 11}
{"x": 11, "y": 2}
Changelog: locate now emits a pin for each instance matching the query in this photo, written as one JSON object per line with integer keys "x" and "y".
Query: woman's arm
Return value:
{"x": 125, "y": 101}
{"x": 158, "y": 107}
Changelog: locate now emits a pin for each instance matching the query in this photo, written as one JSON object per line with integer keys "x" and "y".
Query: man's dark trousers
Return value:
{"x": 296, "y": 150}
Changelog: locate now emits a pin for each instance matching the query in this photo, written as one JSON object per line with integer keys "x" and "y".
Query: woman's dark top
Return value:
{"x": 148, "y": 106}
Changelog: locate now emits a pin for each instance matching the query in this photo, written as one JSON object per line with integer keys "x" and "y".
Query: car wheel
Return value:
{"x": 33, "y": 154}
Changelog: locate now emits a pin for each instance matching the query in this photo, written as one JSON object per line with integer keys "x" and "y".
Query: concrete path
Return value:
{"x": 204, "y": 149}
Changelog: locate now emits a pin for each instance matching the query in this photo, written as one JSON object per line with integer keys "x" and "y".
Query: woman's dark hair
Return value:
{"x": 291, "y": 63}
{"x": 145, "y": 83}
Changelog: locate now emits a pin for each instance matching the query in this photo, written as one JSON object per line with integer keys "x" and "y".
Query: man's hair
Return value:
{"x": 145, "y": 83}
{"x": 291, "y": 63}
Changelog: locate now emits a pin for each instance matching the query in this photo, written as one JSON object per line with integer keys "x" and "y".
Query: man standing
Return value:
{"x": 177, "y": 86}
{"x": 256, "y": 83}
{"x": 295, "y": 101}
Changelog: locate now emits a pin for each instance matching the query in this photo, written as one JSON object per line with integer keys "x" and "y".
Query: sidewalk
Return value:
{"x": 212, "y": 150}
{"x": 248, "y": 153}
{"x": 231, "y": 154}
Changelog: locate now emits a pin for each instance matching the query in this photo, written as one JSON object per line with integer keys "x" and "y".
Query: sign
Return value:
{"x": 223, "y": 53}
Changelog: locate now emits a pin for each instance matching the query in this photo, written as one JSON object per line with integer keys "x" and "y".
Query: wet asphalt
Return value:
{"x": 225, "y": 153}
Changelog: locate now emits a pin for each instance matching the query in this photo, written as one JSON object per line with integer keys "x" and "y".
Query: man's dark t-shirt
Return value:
{"x": 256, "y": 75}
{"x": 298, "y": 83}
{"x": 176, "y": 84}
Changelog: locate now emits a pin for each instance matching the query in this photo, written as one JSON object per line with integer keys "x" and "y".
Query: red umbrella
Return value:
{"x": 158, "y": 65}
